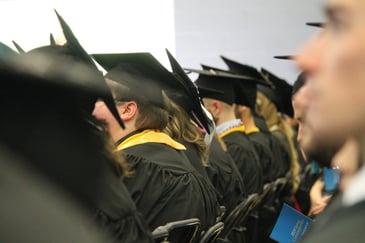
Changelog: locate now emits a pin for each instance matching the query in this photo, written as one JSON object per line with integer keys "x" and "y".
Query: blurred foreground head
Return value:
{"x": 334, "y": 62}
{"x": 47, "y": 96}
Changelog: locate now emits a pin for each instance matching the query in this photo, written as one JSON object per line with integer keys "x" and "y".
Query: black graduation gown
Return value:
{"x": 263, "y": 149}
{"x": 117, "y": 214}
{"x": 279, "y": 150}
{"x": 281, "y": 143}
{"x": 245, "y": 156}
{"x": 338, "y": 224}
{"x": 165, "y": 187}
{"x": 33, "y": 210}
{"x": 260, "y": 123}
{"x": 60, "y": 143}
{"x": 225, "y": 177}
{"x": 194, "y": 157}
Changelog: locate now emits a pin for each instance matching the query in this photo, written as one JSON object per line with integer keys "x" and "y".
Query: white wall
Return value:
{"x": 100, "y": 26}
{"x": 249, "y": 31}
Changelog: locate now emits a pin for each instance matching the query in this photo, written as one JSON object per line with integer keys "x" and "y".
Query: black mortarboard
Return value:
{"x": 280, "y": 94}
{"x": 210, "y": 79}
{"x": 245, "y": 91}
{"x": 141, "y": 73}
{"x": 299, "y": 83}
{"x": 285, "y": 57}
{"x": 52, "y": 40}
{"x": 246, "y": 70}
{"x": 207, "y": 92}
{"x": 207, "y": 67}
{"x": 232, "y": 86}
{"x": 18, "y": 48}
{"x": 301, "y": 77}
{"x": 190, "y": 99}
{"x": 248, "y": 90}
{"x": 6, "y": 52}
{"x": 73, "y": 52}
{"x": 42, "y": 108}
{"x": 246, "y": 94}
{"x": 316, "y": 24}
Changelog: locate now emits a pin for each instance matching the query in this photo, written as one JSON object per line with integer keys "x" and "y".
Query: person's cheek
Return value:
{"x": 101, "y": 112}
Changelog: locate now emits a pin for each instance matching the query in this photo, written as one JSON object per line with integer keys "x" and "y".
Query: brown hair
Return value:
{"x": 149, "y": 116}
{"x": 180, "y": 127}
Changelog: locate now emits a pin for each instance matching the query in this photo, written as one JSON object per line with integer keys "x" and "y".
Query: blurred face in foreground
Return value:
{"x": 314, "y": 149}
{"x": 335, "y": 64}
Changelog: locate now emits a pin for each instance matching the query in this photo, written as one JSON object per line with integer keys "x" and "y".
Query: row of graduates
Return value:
{"x": 163, "y": 170}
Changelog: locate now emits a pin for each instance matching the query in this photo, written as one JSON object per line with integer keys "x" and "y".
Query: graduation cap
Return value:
{"x": 144, "y": 76}
{"x": 316, "y": 24}
{"x": 18, "y": 48}
{"x": 190, "y": 99}
{"x": 248, "y": 90}
{"x": 211, "y": 80}
{"x": 44, "y": 121}
{"x": 246, "y": 70}
{"x": 207, "y": 67}
{"x": 52, "y": 40}
{"x": 245, "y": 91}
{"x": 285, "y": 57}
{"x": 56, "y": 59}
{"x": 280, "y": 94}
{"x": 225, "y": 86}
{"x": 301, "y": 77}
{"x": 6, "y": 52}
{"x": 207, "y": 92}
{"x": 299, "y": 83}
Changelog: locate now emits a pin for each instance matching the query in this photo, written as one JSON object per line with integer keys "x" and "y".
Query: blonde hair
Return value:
{"x": 180, "y": 127}
{"x": 275, "y": 121}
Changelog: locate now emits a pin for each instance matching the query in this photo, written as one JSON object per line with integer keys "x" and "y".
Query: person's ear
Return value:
{"x": 243, "y": 109}
{"x": 128, "y": 110}
{"x": 216, "y": 108}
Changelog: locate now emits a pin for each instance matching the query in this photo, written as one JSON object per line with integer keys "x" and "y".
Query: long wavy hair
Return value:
{"x": 181, "y": 127}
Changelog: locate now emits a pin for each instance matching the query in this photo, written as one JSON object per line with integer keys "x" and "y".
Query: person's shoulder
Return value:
{"x": 157, "y": 156}
{"x": 346, "y": 226}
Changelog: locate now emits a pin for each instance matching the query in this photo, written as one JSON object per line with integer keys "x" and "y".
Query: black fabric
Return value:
{"x": 6, "y": 51}
{"x": 261, "y": 123}
{"x": 282, "y": 92}
{"x": 279, "y": 150}
{"x": 165, "y": 186}
{"x": 71, "y": 59}
{"x": 225, "y": 176}
{"x": 262, "y": 147}
{"x": 191, "y": 101}
{"x": 117, "y": 214}
{"x": 47, "y": 123}
{"x": 299, "y": 83}
{"x": 193, "y": 155}
{"x": 245, "y": 156}
{"x": 143, "y": 75}
{"x": 338, "y": 224}
{"x": 33, "y": 210}
{"x": 63, "y": 147}
{"x": 282, "y": 144}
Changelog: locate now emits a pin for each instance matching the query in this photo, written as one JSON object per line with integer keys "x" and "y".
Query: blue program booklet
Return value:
{"x": 290, "y": 225}
{"x": 331, "y": 179}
